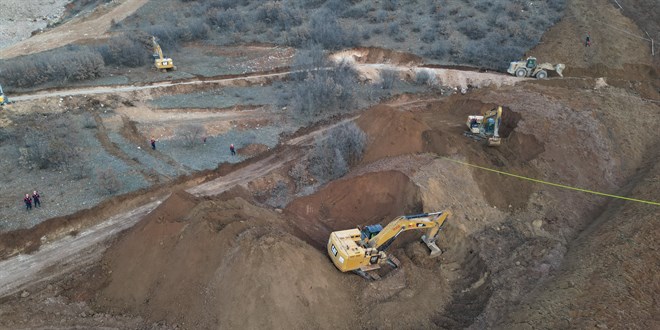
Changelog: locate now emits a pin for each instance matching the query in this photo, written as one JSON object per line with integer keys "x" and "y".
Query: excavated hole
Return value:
{"x": 456, "y": 285}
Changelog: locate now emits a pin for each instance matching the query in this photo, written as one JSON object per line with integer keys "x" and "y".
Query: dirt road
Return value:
{"x": 66, "y": 254}
{"x": 371, "y": 71}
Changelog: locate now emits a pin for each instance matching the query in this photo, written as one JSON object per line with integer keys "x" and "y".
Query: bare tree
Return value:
{"x": 191, "y": 134}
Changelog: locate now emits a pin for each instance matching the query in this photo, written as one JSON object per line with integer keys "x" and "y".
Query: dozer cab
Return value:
{"x": 362, "y": 250}
{"x": 486, "y": 127}
{"x": 160, "y": 62}
{"x": 530, "y": 68}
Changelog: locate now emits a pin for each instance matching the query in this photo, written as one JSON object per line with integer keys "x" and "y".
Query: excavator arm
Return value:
{"x": 426, "y": 221}
{"x": 157, "y": 49}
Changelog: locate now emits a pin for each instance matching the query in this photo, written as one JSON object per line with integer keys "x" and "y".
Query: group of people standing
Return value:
{"x": 35, "y": 198}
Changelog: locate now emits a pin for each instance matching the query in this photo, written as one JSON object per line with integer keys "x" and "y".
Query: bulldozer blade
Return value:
{"x": 435, "y": 250}
{"x": 559, "y": 68}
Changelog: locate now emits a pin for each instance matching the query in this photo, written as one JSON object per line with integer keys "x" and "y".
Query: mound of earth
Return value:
{"x": 391, "y": 132}
{"x": 222, "y": 264}
{"x": 362, "y": 200}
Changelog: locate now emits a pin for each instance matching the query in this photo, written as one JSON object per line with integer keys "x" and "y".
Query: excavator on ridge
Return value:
{"x": 162, "y": 63}
{"x": 362, "y": 250}
{"x": 486, "y": 127}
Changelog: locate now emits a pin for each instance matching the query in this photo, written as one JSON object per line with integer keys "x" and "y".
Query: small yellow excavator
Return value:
{"x": 162, "y": 63}
{"x": 3, "y": 99}
{"x": 362, "y": 250}
{"x": 486, "y": 127}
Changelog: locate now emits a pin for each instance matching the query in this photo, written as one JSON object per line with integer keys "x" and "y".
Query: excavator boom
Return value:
{"x": 162, "y": 63}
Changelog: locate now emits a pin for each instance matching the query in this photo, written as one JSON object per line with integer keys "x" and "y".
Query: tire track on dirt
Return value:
{"x": 113, "y": 149}
{"x": 131, "y": 133}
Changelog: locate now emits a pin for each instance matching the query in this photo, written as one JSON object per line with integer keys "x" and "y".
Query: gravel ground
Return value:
{"x": 143, "y": 157}
{"x": 18, "y": 18}
{"x": 216, "y": 149}
{"x": 220, "y": 98}
{"x": 60, "y": 194}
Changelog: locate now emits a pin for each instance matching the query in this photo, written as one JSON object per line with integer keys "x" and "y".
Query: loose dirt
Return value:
{"x": 517, "y": 254}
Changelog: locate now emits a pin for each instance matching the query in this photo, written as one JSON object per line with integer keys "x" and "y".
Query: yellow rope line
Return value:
{"x": 550, "y": 183}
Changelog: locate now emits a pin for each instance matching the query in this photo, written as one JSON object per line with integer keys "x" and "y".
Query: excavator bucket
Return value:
{"x": 494, "y": 142}
{"x": 435, "y": 250}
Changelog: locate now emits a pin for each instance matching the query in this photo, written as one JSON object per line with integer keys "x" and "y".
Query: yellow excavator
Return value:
{"x": 486, "y": 127}
{"x": 162, "y": 63}
{"x": 3, "y": 99}
{"x": 362, "y": 250}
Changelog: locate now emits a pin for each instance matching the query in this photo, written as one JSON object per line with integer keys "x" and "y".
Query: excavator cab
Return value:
{"x": 369, "y": 232}
{"x": 531, "y": 63}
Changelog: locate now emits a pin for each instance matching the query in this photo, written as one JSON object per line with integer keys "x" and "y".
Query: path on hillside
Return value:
{"x": 92, "y": 27}
{"x": 445, "y": 77}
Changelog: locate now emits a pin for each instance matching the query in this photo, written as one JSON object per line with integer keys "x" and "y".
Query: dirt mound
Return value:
{"x": 221, "y": 263}
{"x": 376, "y": 55}
{"x": 371, "y": 198}
{"x": 391, "y": 133}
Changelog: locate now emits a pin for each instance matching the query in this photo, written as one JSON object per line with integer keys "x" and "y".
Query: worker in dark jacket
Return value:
{"x": 28, "y": 202}
{"x": 35, "y": 198}
{"x": 153, "y": 143}
{"x": 232, "y": 150}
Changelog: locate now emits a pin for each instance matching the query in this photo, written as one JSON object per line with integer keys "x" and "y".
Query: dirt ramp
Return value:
{"x": 344, "y": 204}
{"x": 222, "y": 264}
{"x": 391, "y": 132}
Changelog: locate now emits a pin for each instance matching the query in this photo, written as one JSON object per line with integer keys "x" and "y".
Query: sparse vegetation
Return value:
{"x": 336, "y": 151}
{"x": 107, "y": 181}
{"x": 321, "y": 94}
{"x": 191, "y": 134}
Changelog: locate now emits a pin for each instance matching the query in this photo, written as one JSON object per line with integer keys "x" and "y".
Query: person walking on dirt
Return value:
{"x": 587, "y": 41}
{"x": 28, "y": 202}
{"x": 35, "y": 198}
{"x": 153, "y": 143}
{"x": 232, "y": 150}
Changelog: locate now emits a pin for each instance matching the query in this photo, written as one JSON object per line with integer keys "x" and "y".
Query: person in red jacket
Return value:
{"x": 35, "y": 198}
{"x": 153, "y": 143}
{"x": 28, "y": 202}
{"x": 232, "y": 150}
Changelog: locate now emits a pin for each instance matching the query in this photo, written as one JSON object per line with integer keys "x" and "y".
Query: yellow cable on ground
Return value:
{"x": 550, "y": 183}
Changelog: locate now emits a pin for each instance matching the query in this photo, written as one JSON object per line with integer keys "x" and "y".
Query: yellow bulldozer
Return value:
{"x": 530, "y": 68}
{"x": 362, "y": 250}
{"x": 486, "y": 127}
{"x": 162, "y": 63}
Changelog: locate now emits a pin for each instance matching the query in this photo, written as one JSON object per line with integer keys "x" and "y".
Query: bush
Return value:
{"x": 306, "y": 60}
{"x": 61, "y": 65}
{"x": 121, "y": 51}
{"x": 473, "y": 29}
{"x": 323, "y": 94}
{"x": 107, "y": 181}
{"x": 439, "y": 49}
{"x": 277, "y": 15}
{"x": 393, "y": 29}
{"x": 334, "y": 153}
{"x": 388, "y": 78}
{"x": 326, "y": 31}
{"x": 191, "y": 134}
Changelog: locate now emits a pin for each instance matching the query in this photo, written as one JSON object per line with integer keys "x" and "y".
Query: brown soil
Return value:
{"x": 231, "y": 245}
{"x": 343, "y": 204}
{"x": 517, "y": 254}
